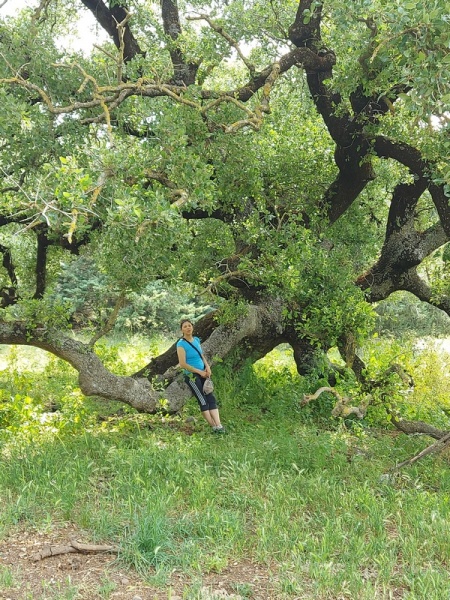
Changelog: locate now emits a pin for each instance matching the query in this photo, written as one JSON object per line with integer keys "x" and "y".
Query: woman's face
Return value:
{"x": 187, "y": 328}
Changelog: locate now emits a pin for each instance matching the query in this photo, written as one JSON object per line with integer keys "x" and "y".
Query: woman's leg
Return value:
{"x": 196, "y": 385}
{"x": 206, "y": 414}
{"x": 214, "y": 414}
{"x": 207, "y": 403}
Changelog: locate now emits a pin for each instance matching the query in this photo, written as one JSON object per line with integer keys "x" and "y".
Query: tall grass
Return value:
{"x": 311, "y": 503}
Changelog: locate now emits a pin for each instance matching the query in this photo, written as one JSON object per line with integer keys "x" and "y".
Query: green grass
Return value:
{"x": 309, "y": 502}
{"x": 7, "y": 578}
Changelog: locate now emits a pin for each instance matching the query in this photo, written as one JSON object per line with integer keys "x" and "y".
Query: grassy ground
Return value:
{"x": 307, "y": 500}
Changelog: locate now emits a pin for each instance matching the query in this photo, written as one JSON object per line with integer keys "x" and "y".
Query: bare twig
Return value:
{"x": 221, "y": 31}
{"x": 111, "y": 320}
{"x": 121, "y": 32}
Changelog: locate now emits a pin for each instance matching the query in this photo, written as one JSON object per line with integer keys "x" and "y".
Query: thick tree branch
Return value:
{"x": 8, "y": 294}
{"x": 413, "y": 159}
{"x": 396, "y": 268}
{"x": 260, "y": 330}
{"x": 417, "y": 427}
{"x": 8, "y": 264}
{"x": 107, "y": 98}
{"x": 405, "y": 247}
{"x": 345, "y": 189}
{"x": 413, "y": 283}
{"x": 109, "y": 18}
{"x": 94, "y": 378}
{"x": 305, "y": 30}
{"x": 184, "y": 73}
{"x": 41, "y": 261}
{"x": 402, "y": 210}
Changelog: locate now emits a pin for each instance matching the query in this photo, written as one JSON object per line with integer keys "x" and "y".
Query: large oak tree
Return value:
{"x": 290, "y": 159}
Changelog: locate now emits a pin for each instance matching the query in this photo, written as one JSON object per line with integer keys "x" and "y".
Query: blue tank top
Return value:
{"x": 193, "y": 358}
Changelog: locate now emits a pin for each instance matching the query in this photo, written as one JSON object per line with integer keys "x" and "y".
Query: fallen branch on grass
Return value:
{"x": 436, "y": 447}
{"x": 409, "y": 427}
{"x": 73, "y": 546}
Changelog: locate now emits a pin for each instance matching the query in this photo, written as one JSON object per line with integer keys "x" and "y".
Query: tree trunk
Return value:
{"x": 251, "y": 337}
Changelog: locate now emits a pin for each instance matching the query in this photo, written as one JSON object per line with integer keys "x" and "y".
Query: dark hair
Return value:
{"x": 186, "y": 321}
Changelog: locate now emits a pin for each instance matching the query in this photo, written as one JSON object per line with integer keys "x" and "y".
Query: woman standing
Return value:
{"x": 196, "y": 370}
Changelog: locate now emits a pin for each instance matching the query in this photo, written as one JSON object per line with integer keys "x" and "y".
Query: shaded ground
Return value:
{"x": 96, "y": 576}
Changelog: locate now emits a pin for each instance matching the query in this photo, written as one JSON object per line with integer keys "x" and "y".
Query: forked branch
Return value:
{"x": 233, "y": 43}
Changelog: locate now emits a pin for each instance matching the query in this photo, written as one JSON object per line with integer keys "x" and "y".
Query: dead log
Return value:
{"x": 72, "y": 547}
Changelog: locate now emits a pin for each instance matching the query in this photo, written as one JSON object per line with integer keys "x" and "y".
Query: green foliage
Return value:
{"x": 35, "y": 313}
{"x": 88, "y": 296}
{"x": 82, "y": 287}
{"x": 159, "y": 308}
{"x": 429, "y": 400}
{"x": 34, "y": 402}
{"x": 329, "y": 305}
{"x": 407, "y": 380}
{"x": 231, "y": 311}
{"x": 411, "y": 41}
{"x": 129, "y": 182}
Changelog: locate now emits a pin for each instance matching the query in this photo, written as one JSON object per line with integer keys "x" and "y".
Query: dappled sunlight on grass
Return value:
{"x": 280, "y": 357}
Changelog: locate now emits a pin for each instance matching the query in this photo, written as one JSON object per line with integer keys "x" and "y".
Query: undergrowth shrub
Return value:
{"x": 406, "y": 380}
{"x": 39, "y": 399}
{"x": 430, "y": 398}
{"x": 269, "y": 389}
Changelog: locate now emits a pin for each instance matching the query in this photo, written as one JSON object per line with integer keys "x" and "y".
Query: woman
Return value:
{"x": 196, "y": 370}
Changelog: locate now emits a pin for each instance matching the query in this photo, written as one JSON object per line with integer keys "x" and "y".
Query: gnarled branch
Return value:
{"x": 340, "y": 409}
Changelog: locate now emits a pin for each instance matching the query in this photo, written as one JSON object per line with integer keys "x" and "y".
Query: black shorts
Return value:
{"x": 205, "y": 401}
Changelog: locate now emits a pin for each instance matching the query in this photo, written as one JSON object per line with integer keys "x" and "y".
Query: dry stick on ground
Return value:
{"x": 73, "y": 546}
{"x": 437, "y": 446}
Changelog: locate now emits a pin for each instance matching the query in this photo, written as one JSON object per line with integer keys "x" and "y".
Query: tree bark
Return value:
{"x": 109, "y": 18}
{"x": 251, "y": 336}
